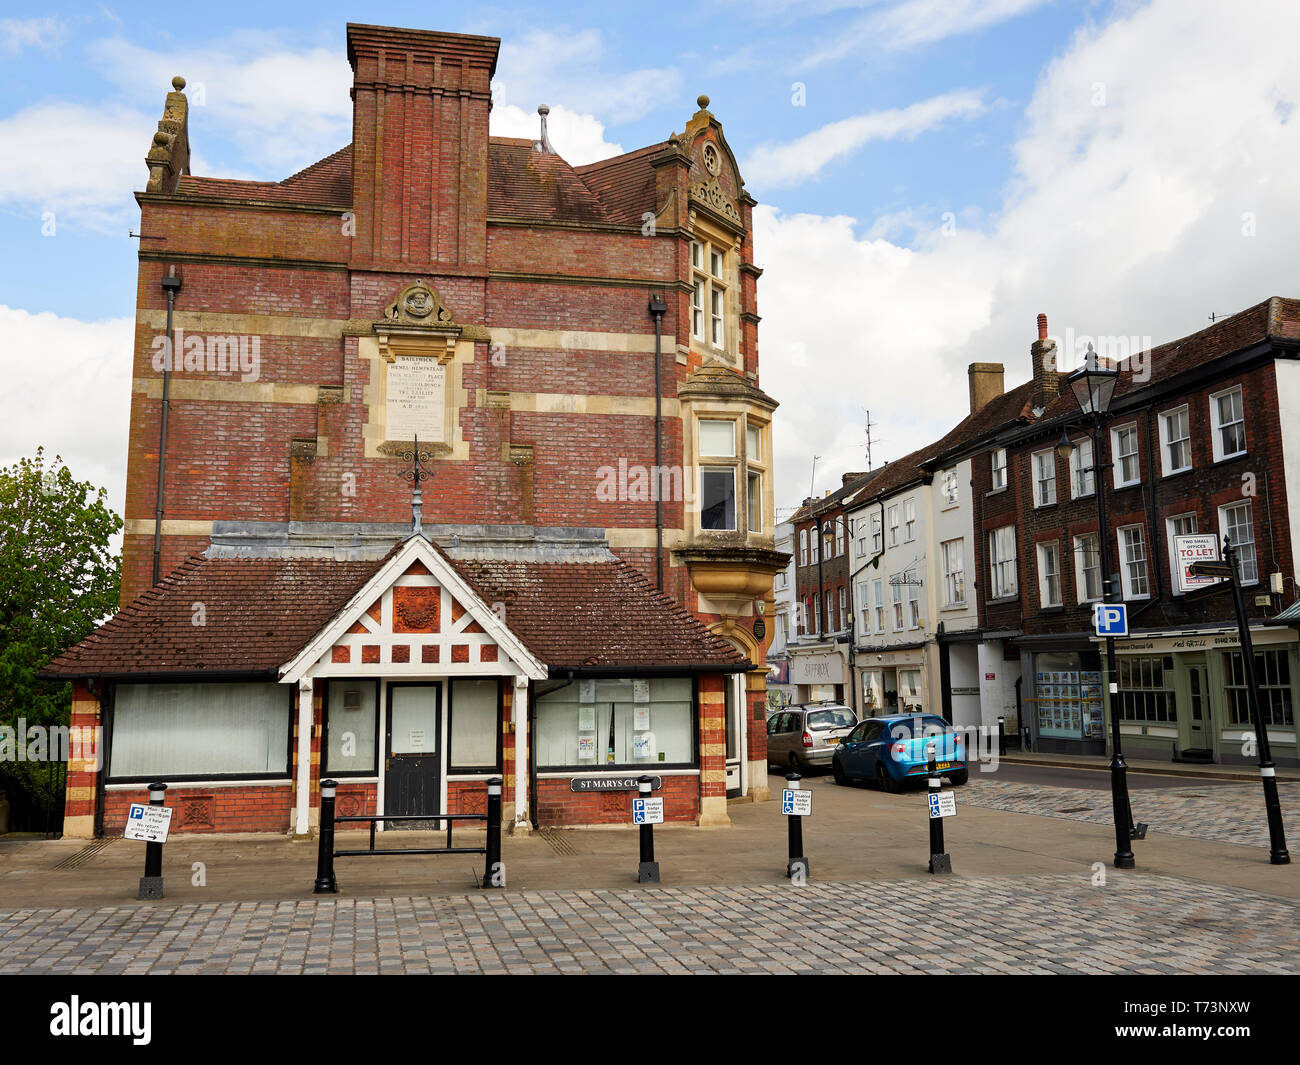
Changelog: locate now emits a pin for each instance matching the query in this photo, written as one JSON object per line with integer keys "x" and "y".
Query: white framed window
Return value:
{"x": 1179, "y": 525}
{"x": 998, "y": 468}
{"x": 913, "y": 605}
{"x": 1049, "y": 574}
{"x": 954, "y": 572}
{"x": 878, "y": 603}
{"x": 1083, "y": 478}
{"x": 1228, "y": 424}
{"x": 844, "y": 609}
{"x": 754, "y": 501}
{"x": 1237, "y": 522}
{"x": 753, "y": 443}
{"x": 717, "y": 438}
{"x": 1175, "y": 441}
{"x": 1002, "y": 562}
{"x": 814, "y": 545}
{"x": 708, "y": 294}
{"x": 839, "y": 537}
{"x": 897, "y": 590}
{"x": 909, "y": 520}
{"x": 1124, "y": 447}
{"x": 949, "y": 487}
{"x": 877, "y": 539}
{"x": 803, "y": 547}
{"x": 1087, "y": 568}
{"x": 864, "y": 597}
{"x": 817, "y": 613}
{"x": 892, "y": 514}
{"x": 718, "y": 498}
{"x": 1133, "y": 555}
{"x": 1044, "y": 466}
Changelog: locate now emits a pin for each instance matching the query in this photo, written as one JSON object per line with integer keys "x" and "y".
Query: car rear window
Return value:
{"x": 835, "y": 717}
{"x": 919, "y": 726}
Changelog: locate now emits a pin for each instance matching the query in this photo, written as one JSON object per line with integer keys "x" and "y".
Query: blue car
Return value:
{"x": 891, "y": 750}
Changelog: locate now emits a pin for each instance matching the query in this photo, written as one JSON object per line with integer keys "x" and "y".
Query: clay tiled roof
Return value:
{"x": 257, "y": 614}
{"x": 625, "y": 184}
{"x": 1275, "y": 318}
{"x": 325, "y": 183}
{"x": 596, "y": 614}
{"x": 536, "y": 186}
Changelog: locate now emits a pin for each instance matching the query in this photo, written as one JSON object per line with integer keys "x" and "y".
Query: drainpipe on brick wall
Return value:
{"x": 657, "y": 309}
{"x": 171, "y": 284}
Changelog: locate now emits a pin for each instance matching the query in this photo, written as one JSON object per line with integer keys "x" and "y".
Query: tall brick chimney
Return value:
{"x": 420, "y": 103}
{"x": 1047, "y": 383}
{"x": 986, "y": 381}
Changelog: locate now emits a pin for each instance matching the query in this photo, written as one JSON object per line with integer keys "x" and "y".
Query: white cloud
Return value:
{"x": 17, "y": 34}
{"x": 573, "y": 68}
{"x": 914, "y": 23}
{"x": 778, "y": 165}
{"x": 78, "y": 162}
{"x": 576, "y": 138}
{"x": 68, "y": 388}
{"x": 1127, "y": 219}
{"x": 283, "y": 108}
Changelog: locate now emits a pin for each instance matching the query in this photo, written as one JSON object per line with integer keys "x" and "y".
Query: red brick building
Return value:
{"x": 430, "y": 280}
{"x": 1202, "y": 437}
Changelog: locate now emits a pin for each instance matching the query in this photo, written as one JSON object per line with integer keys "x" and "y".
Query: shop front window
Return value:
{"x": 606, "y": 723}
{"x": 351, "y": 727}
{"x": 1068, "y": 698}
{"x": 474, "y": 721}
{"x": 1146, "y": 689}
{"x": 1273, "y": 673}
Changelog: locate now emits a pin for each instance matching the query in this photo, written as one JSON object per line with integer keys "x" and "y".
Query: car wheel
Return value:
{"x": 959, "y": 777}
{"x": 838, "y": 771}
{"x": 885, "y": 780}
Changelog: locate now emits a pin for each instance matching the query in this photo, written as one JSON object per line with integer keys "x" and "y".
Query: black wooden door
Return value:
{"x": 413, "y": 780}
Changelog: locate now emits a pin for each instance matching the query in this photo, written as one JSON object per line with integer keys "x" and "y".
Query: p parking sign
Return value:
{"x": 942, "y": 805}
{"x": 1110, "y": 619}
{"x": 648, "y": 811}
{"x": 797, "y": 802}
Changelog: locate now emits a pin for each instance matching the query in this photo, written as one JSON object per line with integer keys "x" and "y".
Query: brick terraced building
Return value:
{"x": 584, "y": 601}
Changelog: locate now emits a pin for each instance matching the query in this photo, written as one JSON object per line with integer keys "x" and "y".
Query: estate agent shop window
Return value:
{"x": 625, "y": 723}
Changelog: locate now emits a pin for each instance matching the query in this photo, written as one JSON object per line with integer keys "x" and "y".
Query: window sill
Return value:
{"x": 1045, "y": 506}
{"x": 952, "y": 607}
{"x": 1177, "y": 473}
{"x": 1056, "y": 609}
{"x": 1128, "y": 484}
{"x": 1229, "y": 458}
{"x": 995, "y": 491}
{"x": 1014, "y": 597}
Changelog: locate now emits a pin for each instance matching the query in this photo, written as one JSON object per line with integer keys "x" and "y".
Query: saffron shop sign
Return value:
{"x": 824, "y": 668}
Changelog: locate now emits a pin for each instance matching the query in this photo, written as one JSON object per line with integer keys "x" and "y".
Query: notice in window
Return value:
{"x": 641, "y": 718}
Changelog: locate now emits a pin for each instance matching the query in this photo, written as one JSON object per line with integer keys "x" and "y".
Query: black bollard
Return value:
{"x": 648, "y": 871}
{"x": 1002, "y": 736}
{"x": 325, "y": 882}
{"x": 940, "y": 862}
{"x": 494, "y": 873}
{"x": 151, "y": 884}
{"x": 797, "y": 867}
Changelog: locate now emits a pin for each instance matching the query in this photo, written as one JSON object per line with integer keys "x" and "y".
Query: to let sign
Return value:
{"x": 147, "y": 823}
{"x": 1190, "y": 550}
{"x": 647, "y": 811}
{"x": 797, "y": 802}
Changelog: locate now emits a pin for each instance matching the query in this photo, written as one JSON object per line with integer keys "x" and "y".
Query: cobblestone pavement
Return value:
{"x": 1226, "y": 813}
{"x": 1057, "y": 923}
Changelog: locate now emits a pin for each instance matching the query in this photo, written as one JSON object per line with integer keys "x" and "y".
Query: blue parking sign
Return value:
{"x": 1110, "y": 619}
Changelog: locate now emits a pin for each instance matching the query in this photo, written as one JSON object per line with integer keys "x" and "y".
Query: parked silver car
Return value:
{"x": 801, "y": 737}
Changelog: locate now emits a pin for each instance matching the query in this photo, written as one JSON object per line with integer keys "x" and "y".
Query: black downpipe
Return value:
{"x": 657, "y": 309}
{"x": 170, "y": 284}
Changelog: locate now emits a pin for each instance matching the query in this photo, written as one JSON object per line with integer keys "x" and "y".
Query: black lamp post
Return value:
{"x": 1094, "y": 388}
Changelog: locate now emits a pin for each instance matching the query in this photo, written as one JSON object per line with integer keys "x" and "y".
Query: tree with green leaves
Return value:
{"x": 59, "y": 577}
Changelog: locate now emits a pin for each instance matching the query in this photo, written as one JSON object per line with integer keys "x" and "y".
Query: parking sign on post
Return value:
{"x": 1110, "y": 619}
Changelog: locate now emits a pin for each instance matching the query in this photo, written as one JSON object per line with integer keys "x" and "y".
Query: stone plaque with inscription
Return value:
{"x": 417, "y": 398}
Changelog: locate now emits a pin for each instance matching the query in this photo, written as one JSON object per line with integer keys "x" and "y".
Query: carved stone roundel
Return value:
{"x": 712, "y": 161}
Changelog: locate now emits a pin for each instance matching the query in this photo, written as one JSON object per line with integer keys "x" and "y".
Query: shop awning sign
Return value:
{"x": 1193, "y": 549}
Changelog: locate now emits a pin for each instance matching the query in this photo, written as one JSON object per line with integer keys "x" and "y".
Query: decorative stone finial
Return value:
{"x": 703, "y": 101}
{"x": 543, "y": 144}
{"x": 178, "y": 83}
{"x": 161, "y": 139}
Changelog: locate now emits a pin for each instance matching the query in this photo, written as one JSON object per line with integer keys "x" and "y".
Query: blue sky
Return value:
{"x": 1100, "y": 161}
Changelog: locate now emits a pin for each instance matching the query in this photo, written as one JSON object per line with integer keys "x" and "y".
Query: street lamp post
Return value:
{"x": 1094, "y": 387}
